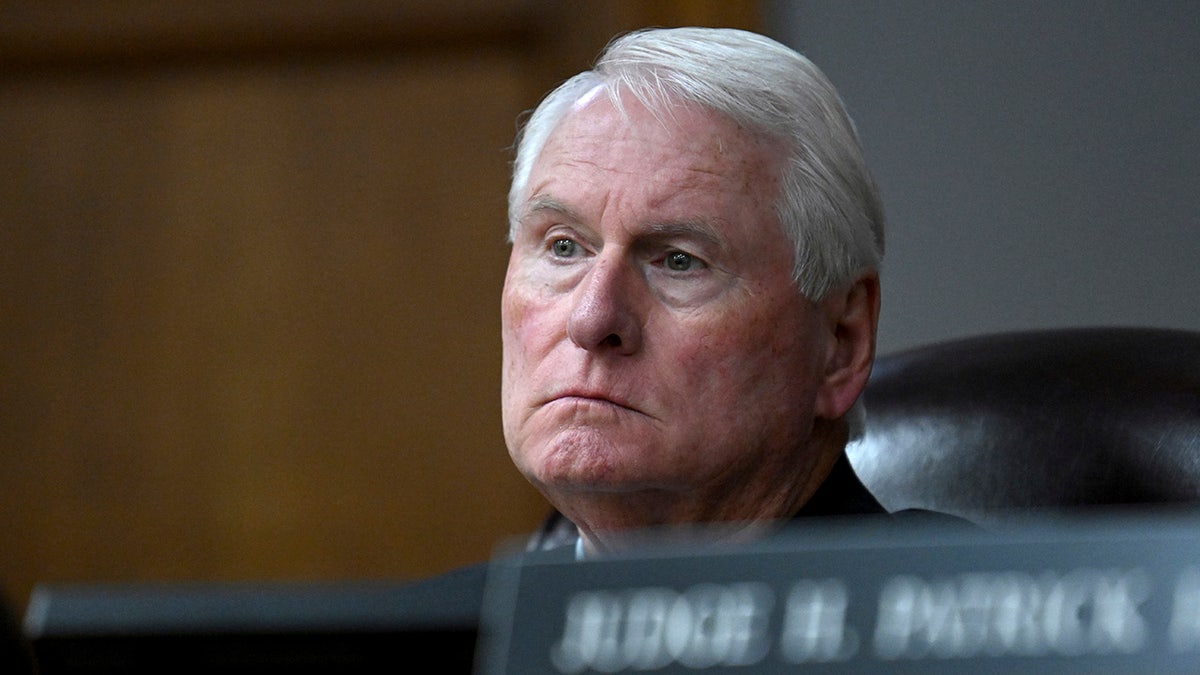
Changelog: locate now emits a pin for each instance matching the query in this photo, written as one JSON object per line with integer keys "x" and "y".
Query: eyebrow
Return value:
{"x": 702, "y": 230}
{"x": 699, "y": 228}
{"x": 543, "y": 203}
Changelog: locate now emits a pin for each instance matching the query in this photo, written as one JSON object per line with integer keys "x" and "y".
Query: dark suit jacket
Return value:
{"x": 841, "y": 494}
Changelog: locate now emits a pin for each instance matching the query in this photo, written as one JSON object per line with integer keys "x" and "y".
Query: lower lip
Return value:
{"x": 589, "y": 400}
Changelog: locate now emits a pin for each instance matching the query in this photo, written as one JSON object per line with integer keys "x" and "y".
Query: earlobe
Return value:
{"x": 853, "y": 315}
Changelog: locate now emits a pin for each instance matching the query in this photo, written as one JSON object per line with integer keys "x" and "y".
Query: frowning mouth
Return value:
{"x": 585, "y": 398}
{"x": 591, "y": 398}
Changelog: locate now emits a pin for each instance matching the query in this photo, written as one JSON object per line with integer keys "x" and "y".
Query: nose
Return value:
{"x": 603, "y": 311}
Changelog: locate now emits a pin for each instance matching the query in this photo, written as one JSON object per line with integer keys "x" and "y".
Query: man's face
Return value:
{"x": 659, "y": 364}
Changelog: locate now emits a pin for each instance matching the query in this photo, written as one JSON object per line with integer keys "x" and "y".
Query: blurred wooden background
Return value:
{"x": 251, "y": 255}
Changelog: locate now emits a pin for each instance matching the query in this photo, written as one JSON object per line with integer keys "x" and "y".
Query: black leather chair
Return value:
{"x": 994, "y": 426}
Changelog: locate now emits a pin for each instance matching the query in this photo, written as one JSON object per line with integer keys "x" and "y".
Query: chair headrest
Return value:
{"x": 1052, "y": 418}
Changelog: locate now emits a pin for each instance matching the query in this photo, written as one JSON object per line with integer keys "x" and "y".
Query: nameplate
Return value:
{"x": 1118, "y": 594}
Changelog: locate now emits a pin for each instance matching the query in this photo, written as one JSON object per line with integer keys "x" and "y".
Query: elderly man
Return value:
{"x": 690, "y": 308}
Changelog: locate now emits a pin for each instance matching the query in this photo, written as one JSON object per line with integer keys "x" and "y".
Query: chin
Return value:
{"x": 584, "y": 459}
{"x": 581, "y": 475}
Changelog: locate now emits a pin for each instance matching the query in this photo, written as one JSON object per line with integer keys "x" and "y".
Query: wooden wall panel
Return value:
{"x": 250, "y": 281}
{"x": 251, "y": 320}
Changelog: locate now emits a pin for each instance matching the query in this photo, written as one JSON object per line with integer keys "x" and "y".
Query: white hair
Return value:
{"x": 829, "y": 205}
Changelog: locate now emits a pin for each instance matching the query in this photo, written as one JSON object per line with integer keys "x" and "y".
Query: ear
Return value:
{"x": 852, "y": 314}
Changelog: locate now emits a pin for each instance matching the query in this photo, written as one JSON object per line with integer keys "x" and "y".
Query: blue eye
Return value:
{"x": 564, "y": 248}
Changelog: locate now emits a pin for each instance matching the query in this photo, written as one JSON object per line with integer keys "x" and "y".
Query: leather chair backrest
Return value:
{"x": 986, "y": 426}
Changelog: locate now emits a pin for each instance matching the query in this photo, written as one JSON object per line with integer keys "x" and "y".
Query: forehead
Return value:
{"x": 684, "y": 157}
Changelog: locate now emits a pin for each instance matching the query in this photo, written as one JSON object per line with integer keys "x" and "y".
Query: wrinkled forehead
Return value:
{"x": 694, "y": 149}
{"x": 662, "y": 133}
{"x": 665, "y": 106}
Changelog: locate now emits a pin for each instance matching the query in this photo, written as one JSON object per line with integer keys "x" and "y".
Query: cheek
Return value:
{"x": 512, "y": 317}
{"x": 526, "y": 323}
{"x": 530, "y": 329}
{"x": 759, "y": 361}
{"x": 516, "y": 306}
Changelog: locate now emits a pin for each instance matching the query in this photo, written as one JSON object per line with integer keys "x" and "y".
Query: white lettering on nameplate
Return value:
{"x": 1084, "y": 611}
{"x": 706, "y": 625}
{"x": 814, "y": 624}
{"x": 1184, "y": 629}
